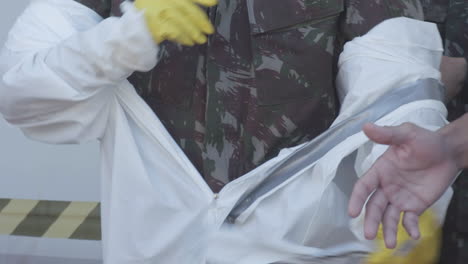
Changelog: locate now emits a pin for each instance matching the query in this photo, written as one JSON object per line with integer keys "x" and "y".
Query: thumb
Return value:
{"x": 395, "y": 135}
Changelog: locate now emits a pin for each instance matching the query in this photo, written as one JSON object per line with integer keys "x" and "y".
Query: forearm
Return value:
{"x": 106, "y": 53}
{"x": 455, "y": 135}
{"x": 56, "y": 82}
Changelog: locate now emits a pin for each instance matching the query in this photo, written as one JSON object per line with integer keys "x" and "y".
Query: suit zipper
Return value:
{"x": 141, "y": 117}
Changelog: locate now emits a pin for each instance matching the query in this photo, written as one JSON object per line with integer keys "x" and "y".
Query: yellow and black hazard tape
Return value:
{"x": 52, "y": 219}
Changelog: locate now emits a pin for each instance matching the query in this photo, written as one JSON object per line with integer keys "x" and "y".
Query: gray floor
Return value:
{"x": 15, "y": 259}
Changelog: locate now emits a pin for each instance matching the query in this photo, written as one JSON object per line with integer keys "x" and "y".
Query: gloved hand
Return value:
{"x": 181, "y": 21}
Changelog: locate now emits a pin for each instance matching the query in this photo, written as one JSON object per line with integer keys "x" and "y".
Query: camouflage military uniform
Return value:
{"x": 452, "y": 18}
{"x": 264, "y": 81}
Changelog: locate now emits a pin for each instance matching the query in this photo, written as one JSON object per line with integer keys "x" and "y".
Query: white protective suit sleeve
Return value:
{"x": 58, "y": 87}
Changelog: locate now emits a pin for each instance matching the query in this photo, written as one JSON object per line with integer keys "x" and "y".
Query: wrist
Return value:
{"x": 455, "y": 139}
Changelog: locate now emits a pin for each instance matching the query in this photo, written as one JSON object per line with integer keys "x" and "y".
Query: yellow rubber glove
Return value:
{"x": 423, "y": 251}
{"x": 181, "y": 21}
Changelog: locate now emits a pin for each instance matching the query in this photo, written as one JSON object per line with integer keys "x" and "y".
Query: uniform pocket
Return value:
{"x": 293, "y": 47}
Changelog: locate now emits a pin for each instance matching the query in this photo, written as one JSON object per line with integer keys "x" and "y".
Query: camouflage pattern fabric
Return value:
{"x": 456, "y": 36}
{"x": 102, "y": 7}
{"x": 264, "y": 81}
{"x": 452, "y": 18}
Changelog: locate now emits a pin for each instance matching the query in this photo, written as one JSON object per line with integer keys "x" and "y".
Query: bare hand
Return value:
{"x": 409, "y": 177}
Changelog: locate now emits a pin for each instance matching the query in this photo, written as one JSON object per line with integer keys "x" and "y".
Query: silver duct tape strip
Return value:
{"x": 420, "y": 90}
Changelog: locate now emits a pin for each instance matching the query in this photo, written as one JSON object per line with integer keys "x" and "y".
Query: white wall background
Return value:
{"x": 32, "y": 170}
